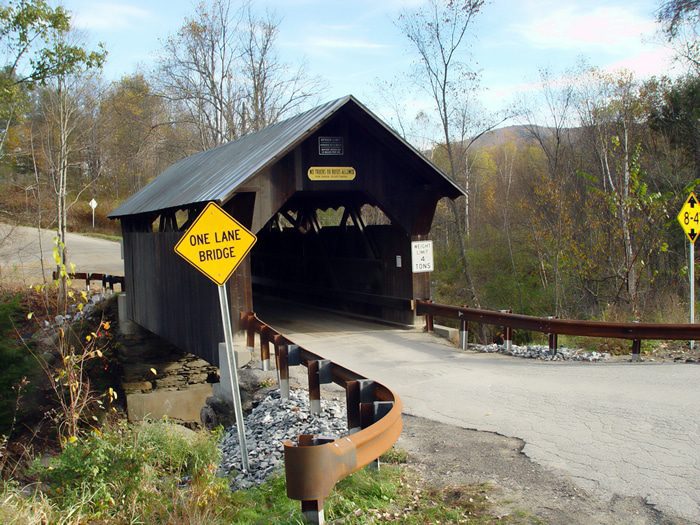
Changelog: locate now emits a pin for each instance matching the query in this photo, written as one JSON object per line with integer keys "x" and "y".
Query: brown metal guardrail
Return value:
{"x": 635, "y": 331}
{"x": 108, "y": 281}
{"x": 316, "y": 463}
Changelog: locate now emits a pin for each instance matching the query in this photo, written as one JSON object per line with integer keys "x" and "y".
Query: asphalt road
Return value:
{"x": 614, "y": 428}
{"x": 21, "y": 254}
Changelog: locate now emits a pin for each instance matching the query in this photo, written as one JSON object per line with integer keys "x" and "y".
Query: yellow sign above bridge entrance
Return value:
{"x": 215, "y": 244}
{"x": 331, "y": 173}
{"x": 689, "y": 217}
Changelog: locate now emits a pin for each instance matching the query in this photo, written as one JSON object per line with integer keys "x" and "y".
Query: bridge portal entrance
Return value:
{"x": 335, "y": 198}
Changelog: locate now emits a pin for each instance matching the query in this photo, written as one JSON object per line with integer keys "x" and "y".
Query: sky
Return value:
{"x": 353, "y": 45}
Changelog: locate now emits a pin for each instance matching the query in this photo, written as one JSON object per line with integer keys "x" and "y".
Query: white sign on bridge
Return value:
{"x": 422, "y": 256}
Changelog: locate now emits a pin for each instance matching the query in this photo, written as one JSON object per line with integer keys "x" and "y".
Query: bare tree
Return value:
{"x": 197, "y": 72}
{"x": 679, "y": 20}
{"x": 222, "y": 71}
{"x": 439, "y": 33}
{"x": 273, "y": 89}
{"x": 62, "y": 105}
{"x": 610, "y": 109}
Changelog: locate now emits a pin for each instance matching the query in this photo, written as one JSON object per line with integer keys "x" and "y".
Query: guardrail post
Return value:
{"x": 636, "y": 349}
{"x": 250, "y": 333}
{"x": 281, "y": 356}
{"x": 429, "y": 320}
{"x": 507, "y": 333}
{"x": 319, "y": 372}
{"x": 312, "y": 510}
{"x": 265, "y": 348}
{"x": 553, "y": 340}
{"x": 463, "y": 332}
{"x": 373, "y": 412}
{"x": 356, "y": 393}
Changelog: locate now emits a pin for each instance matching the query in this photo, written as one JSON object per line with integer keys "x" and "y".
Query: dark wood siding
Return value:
{"x": 169, "y": 297}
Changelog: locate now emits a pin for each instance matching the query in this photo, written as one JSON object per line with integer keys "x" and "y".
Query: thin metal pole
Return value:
{"x": 464, "y": 334}
{"x": 233, "y": 375}
{"x": 691, "y": 267}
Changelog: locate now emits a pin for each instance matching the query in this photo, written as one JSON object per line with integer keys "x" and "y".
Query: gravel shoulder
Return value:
{"x": 446, "y": 455}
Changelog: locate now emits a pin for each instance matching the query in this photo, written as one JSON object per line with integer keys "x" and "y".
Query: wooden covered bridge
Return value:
{"x": 335, "y": 197}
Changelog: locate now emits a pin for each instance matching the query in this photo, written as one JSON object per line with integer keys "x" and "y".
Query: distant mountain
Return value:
{"x": 519, "y": 134}
{"x": 500, "y": 136}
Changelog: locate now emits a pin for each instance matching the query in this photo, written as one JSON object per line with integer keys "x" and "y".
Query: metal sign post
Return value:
{"x": 689, "y": 219}
{"x": 216, "y": 244}
{"x": 691, "y": 267}
{"x": 232, "y": 363}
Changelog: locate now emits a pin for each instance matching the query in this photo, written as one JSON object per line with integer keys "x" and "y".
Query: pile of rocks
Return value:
{"x": 270, "y": 422}
{"x": 542, "y": 352}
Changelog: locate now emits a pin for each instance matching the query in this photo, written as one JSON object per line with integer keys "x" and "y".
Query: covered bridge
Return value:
{"x": 335, "y": 197}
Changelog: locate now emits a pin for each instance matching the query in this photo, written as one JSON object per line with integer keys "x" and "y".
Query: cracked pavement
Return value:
{"x": 629, "y": 429}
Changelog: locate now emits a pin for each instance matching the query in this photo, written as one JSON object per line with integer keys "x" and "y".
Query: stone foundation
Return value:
{"x": 160, "y": 380}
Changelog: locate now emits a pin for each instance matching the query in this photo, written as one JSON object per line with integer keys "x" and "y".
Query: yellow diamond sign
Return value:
{"x": 689, "y": 217}
{"x": 215, "y": 244}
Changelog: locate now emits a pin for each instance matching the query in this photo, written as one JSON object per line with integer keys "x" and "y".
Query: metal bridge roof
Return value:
{"x": 214, "y": 175}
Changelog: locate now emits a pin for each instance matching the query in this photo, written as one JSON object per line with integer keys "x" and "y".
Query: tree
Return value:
{"x": 550, "y": 129}
{"x": 130, "y": 133}
{"x": 221, "y": 71}
{"x": 34, "y": 51}
{"x": 39, "y": 50}
{"x": 198, "y": 74}
{"x": 679, "y": 20}
{"x": 678, "y": 117}
{"x": 613, "y": 114}
{"x": 674, "y": 13}
{"x": 439, "y": 33}
{"x": 273, "y": 90}
{"x": 61, "y": 108}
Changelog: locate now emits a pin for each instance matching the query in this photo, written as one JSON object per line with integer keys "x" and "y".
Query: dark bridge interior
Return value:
{"x": 335, "y": 251}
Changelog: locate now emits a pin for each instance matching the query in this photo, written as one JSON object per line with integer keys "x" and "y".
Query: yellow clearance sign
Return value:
{"x": 689, "y": 217}
{"x": 331, "y": 173}
{"x": 215, "y": 244}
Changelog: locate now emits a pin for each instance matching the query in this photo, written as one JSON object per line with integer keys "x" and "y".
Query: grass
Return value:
{"x": 158, "y": 473}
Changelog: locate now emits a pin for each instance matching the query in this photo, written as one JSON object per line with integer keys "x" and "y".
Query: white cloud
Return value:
{"x": 614, "y": 28}
{"x": 109, "y": 16}
{"x": 647, "y": 63}
{"x": 331, "y": 43}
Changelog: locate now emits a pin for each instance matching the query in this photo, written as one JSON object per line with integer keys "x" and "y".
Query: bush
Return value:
{"x": 16, "y": 361}
{"x": 129, "y": 467}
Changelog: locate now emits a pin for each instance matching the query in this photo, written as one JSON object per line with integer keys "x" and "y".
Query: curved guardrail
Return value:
{"x": 553, "y": 326}
{"x": 315, "y": 463}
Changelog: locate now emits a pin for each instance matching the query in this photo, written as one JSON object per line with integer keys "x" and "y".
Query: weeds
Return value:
{"x": 158, "y": 472}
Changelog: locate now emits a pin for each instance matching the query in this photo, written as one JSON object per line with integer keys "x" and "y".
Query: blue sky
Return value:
{"x": 354, "y": 43}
